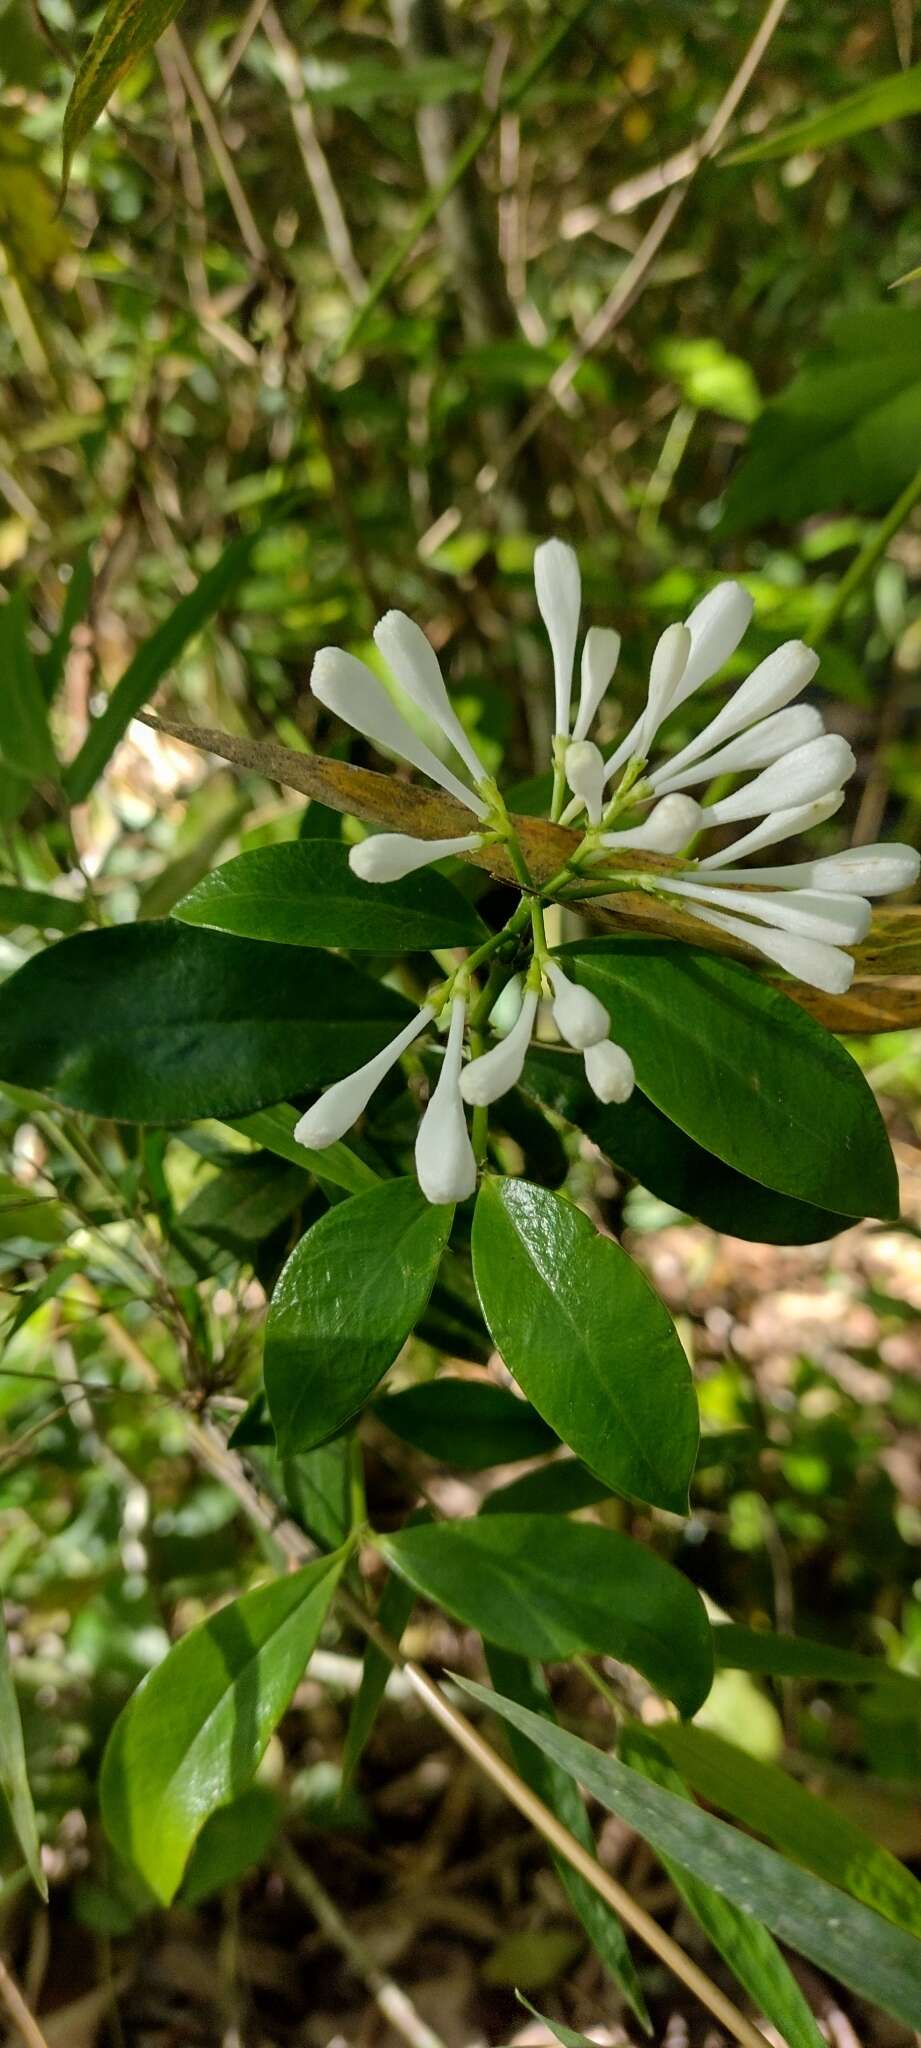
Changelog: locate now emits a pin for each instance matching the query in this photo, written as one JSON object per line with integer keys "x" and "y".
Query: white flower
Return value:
{"x": 759, "y": 747}
{"x": 342, "y": 1104}
{"x": 667, "y": 829}
{"x": 783, "y": 824}
{"x": 585, "y": 776}
{"x": 578, "y": 1015}
{"x": 771, "y": 686}
{"x": 669, "y": 661}
{"x": 413, "y": 660}
{"x": 344, "y": 685}
{"x": 496, "y": 1071}
{"x": 609, "y": 1071}
{"x": 558, "y": 584}
{"x": 716, "y": 626}
{"x": 809, "y": 960}
{"x": 388, "y": 856}
{"x": 870, "y": 870}
{"x": 600, "y": 656}
{"x": 840, "y": 919}
{"x": 445, "y": 1163}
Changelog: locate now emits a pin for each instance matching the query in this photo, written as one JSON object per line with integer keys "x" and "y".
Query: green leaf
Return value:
{"x": 770, "y": 1803}
{"x": 879, "y": 1961}
{"x": 345, "y": 1304}
{"x": 637, "y": 1137}
{"x": 303, "y": 893}
{"x": 548, "y": 1589}
{"x": 274, "y": 1128}
{"x": 566, "y": 2035}
{"x": 38, "y": 908}
{"x": 588, "y": 1340}
{"x": 524, "y": 1682}
{"x": 558, "y": 1488}
{"x": 158, "y": 1023}
{"x": 744, "y": 1072}
{"x": 747, "y": 1947}
{"x": 232, "y": 1842}
{"x": 192, "y": 1735}
{"x": 128, "y": 29}
{"x": 244, "y": 1202}
{"x": 749, "y": 1649}
{"x": 845, "y": 432}
{"x": 886, "y": 99}
{"x": 14, "y": 1778}
{"x": 158, "y": 654}
{"x": 466, "y": 1423}
{"x": 25, "y": 739}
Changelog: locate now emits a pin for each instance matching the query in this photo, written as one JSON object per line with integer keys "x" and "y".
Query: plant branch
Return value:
{"x": 872, "y": 552}
{"x": 391, "y": 2001}
{"x": 27, "y": 2027}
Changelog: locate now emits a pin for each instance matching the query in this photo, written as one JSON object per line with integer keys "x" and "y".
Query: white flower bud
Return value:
{"x": 342, "y": 1104}
{"x": 669, "y": 662}
{"x": 666, "y": 830}
{"x": 445, "y": 1163}
{"x": 600, "y": 655}
{"x": 866, "y": 870}
{"x": 759, "y": 747}
{"x": 778, "y": 825}
{"x": 578, "y": 1015}
{"x": 558, "y": 584}
{"x": 585, "y": 776}
{"x": 496, "y": 1071}
{"x": 772, "y": 685}
{"x": 716, "y": 625}
{"x": 609, "y": 1071}
{"x": 346, "y": 687}
{"x": 840, "y": 920}
{"x": 506, "y": 1009}
{"x": 388, "y": 856}
{"x": 809, "y": 960}
{"x": 812, "y": 771}
{"x": 412, "y": 658}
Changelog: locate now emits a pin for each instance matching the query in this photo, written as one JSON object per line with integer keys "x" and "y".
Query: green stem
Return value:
{"x": 871, "y": 552}
{"x": 469, "y": 150}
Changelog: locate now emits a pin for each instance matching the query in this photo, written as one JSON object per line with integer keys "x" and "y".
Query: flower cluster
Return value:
{"x": 801, "y": 916}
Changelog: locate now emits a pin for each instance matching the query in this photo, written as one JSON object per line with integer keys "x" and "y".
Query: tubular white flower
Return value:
{"x": 609, "y": 1071}
{"x": 778, "y": 825}
{"x": 669, "y": 661}
{"x": 585, "y": 776}
{"x": 600, "y": 655}
{"x": 868, "y": 870}
{"x": 558, "y": 584}
{"x": 342, "y": 1104}
{"x": 840, "y": 920}
{"x": 388, "y": 856}
{"x": 410, "y": 655}
{"x": 809, "y": 960}
{"x": 666, "y": 830}
{"x": 716, "y": 625}
{"x": 445, "y": 1163}
{"x": 345, "y": 686}
{"x": 578, "y": 1015}
{"x": 771, "y": 686}
{"x": 759, "y": 747}
{"x": 497, "y": 1070}
{"x": 812, "y": 771}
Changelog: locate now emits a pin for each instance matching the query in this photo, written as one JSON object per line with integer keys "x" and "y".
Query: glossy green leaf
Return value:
{"x": 745, "y": 1072}
{"x": 523, "y": 1681}
{"x": 128, "y": 29}
{"x": 466, "y": 1423}
{"x": 879, "y": 1961}
{"x": 192, "y": 1735}
{"x": 158, "y": 1023}
{"x": 38, "y": 908}
{"x": 749, "y": 1649}
{"x": 232, "y": 1842}
{"x": 344, "y": 1306}
{"x": 638, "y": 1138}
{"x": 25, "y": 739}
{"x": 274, "y": 1129}
{"x": 747, "y": 1947}
{"x": 245, "y": 1201}
{"x": 303, "y": 893}
{"x": 548, "y": 1588}
{"x": 14, "y": 1777}
{"x": 845, "y": 432}
{"x": 771, "y": 1803}
{"x": 886, "y": 99}
{"x": 557, "y": 1488}
{"x": 158, "y": 654}
{"x": 587, "y": 1339}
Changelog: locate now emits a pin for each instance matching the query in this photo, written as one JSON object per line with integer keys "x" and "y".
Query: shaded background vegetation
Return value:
{"x": 178, "y": 370}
